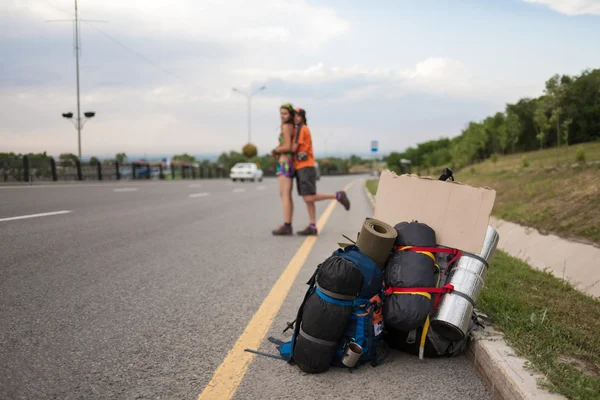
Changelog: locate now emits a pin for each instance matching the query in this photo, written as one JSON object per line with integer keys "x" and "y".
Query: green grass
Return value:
{"x": 548, "y": 322}
{"x": 565, "y": 201}
{"x": 541, "y": 159}
{"x": 372, "y": 186}
{"x": 545, "y": 320}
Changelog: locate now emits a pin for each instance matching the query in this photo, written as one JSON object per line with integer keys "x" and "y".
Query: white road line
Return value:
{"x": 195, "y": 195}
{"x": 126, "y": 190}
{"x": 36, "y": 215}
{"x": 195, "y": 185}
{"x": 239, "y": 190}
{"x": 261, "y": 188}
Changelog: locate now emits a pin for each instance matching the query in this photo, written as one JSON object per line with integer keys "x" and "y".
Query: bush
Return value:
{"x": 525, "y": 162}
{"x": 494, "y": 158}
{"x": 580, "y": 154}
{"x": 249, "y": 150}
{"x": 472, "y": 170}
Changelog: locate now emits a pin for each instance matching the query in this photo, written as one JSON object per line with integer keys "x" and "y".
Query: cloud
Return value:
{"x": 571, "y": 7}
{"x": 432, "y": 75}
{"x": 232, "y": 21}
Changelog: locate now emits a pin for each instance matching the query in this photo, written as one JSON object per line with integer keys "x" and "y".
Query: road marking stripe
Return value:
{"x": 195, "y": 195}
{"x": 126, "y": 190}
{"x": 195, "y": 185}
{"x": 239, "y": 190}
{"x": 36, "y": 215}
{"x": 230, "y": 373}
{"x": 261, "y": 188}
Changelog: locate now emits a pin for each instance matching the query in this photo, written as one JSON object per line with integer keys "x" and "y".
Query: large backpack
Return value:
{"x": 365, "y": 326}
{"x": 424, "y": 341}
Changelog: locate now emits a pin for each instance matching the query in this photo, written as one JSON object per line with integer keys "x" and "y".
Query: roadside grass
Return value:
{"x": 372, "y": 186}
{"x": 546, "y": 321}
{"x": 563, "y": 201}
{"x": 553, "y": 157}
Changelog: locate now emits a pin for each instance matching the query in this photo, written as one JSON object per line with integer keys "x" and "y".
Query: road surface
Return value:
{"x": 140, "y": 290}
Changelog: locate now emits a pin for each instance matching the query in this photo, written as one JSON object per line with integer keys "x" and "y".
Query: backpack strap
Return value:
{"x": 333, "y": 294}
{"x": 333, "y": 300}
{"x": 316, "y": 340}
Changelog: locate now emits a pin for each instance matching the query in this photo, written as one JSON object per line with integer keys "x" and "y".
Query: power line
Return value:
{"x": 141, "y": 56}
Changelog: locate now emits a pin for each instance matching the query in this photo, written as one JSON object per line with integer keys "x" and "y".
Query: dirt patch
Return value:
{"x": 585, "y": 367}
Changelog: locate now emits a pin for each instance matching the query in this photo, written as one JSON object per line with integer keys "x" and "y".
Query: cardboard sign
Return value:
{"x": 458, "y": 213}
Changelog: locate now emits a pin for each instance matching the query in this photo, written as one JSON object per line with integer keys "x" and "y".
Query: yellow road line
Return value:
{"x": 230, "y": 373}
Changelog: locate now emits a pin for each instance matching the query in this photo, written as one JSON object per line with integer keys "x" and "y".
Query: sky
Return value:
{"x": 159, "y": 74}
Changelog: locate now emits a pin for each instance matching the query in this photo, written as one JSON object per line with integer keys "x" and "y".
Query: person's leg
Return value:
{"x": 285, "y": 192}
{"x": 319, "y": 197}
{"x": 286, "y": 197}
{"x": 307, "y": 188}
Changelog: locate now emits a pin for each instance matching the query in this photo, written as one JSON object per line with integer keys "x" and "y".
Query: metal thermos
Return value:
{"x": 453, "y": 315}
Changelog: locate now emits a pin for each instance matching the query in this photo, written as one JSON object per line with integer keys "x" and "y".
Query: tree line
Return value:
{"x": 567, "y": 113}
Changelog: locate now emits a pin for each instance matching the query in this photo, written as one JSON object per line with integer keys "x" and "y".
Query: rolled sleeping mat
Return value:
{"x": 376, "y": 240}
{"x": 405, "y": 311}
{"x": 326, "y": 314}
{"x": 453, "y": 315}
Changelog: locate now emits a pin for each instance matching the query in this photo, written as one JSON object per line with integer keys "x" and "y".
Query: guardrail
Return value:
{"x": 24, "y": 169}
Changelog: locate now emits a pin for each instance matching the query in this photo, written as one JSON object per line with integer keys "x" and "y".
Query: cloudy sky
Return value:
{"x": 160, "y": 73}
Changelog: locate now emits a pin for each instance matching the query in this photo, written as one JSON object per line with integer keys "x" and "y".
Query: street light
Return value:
{"x": 79, "y": 123}
{"x": 249, "y": 97}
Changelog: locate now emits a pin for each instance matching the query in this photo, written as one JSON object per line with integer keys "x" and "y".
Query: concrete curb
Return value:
{"x": 497, "y": 363}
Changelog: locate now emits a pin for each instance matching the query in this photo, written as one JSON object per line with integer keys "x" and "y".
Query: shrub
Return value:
{"x": 580, "y": 154}
{"x": 525, "y": 162}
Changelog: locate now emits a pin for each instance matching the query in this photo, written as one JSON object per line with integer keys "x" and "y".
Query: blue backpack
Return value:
{"x": 365, "y": 326}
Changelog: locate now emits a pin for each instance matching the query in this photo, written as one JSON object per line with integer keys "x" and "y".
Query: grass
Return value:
{"x": 372, "y": 185}
{"x": 546, "y": 321}
{"x": 564, "y": 201}
{"x": 541, "y": 159}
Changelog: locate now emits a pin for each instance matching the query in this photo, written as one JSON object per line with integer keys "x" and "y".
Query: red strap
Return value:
{"x": 457, "y": 253}
{"x": 445, "y": 289}
{"x": 440, "y": 291}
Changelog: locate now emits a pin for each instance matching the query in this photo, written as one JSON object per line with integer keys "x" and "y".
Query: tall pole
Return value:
{"x": 249, "y": 97}
{"x": 249, "y": 100}
{"x": 77, "y": 67}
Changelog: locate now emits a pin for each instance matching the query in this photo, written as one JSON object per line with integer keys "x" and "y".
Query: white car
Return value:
{"x": 246, "y": 171}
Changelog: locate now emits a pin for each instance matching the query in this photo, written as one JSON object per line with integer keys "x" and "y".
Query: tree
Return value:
{"x": 185, "y": 157}
{"x": 121, "y": 158}
{"x": 249, "y": 150}
{"x": 67, "y": 159}
{"x": 542, "y": 123}
{"x": 513, "y": 129}
{"x": 94, "y": 161}
{"x": 229, "y": 160}
{"x": 356, "y": 160}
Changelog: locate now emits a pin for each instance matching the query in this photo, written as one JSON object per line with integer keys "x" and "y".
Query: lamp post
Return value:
{"x": 78, "y": 122}
{"x": 249, "y": 97}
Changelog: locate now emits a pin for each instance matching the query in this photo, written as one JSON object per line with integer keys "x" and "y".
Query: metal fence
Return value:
{"x": 38, "y": 168}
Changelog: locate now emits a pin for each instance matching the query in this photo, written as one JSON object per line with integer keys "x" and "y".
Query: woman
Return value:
{"x": 285, "y": 167}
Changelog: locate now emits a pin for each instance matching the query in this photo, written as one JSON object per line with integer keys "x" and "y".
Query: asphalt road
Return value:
{"x": 141, "y": 290}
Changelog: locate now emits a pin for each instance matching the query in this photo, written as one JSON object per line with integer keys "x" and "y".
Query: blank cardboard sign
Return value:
{"x": 458, "y": 213}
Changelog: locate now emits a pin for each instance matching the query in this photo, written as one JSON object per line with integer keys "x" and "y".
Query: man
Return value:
{"x": 306, "y": 175}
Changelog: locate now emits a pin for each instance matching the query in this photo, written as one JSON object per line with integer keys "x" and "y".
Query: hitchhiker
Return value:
{"x": 285, "y": 167}
{"x": 306, "y": 174}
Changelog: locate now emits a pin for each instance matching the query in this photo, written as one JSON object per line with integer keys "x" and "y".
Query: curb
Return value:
{"x": 503, "y": 371}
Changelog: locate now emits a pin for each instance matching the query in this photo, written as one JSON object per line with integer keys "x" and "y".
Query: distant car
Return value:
{"x": 246, "y": 172}
{"x": 318, "y": 170}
